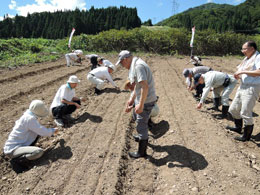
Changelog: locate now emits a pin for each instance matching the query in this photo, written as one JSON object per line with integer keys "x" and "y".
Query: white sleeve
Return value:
{"x": 109, "y": 78}
{"x": 36, "y": 127}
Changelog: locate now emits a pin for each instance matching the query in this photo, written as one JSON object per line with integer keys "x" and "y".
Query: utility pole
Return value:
{"x": 175, "y": 7}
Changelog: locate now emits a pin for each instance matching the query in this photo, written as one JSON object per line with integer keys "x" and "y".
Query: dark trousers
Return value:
{"x": 64, "y": 109}
{"x": 199, "y": 89}
{"x": 94, "y": 62}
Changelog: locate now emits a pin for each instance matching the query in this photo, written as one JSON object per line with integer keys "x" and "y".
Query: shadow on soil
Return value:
{"x": 178, "y": 156}
{"x": 159, "y": 129}
{"x": 92, "y": 118}
{"x": 50, "y": 155}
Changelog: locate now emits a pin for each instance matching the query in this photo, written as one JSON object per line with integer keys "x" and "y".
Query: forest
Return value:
{"x": 243, "y": 18}
{"x": 58, "y": 25}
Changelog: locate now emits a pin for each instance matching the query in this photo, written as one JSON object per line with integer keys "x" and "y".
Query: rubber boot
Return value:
{"x": 136, "y": 138}
{"x": 238, "y": 126}
{"x": 97, "y": 91}
{"x": 216, "y": 103}
{"x": 224, "y": 112}
{"x": 141, "y": 150}
{"x": 248, "y": 130}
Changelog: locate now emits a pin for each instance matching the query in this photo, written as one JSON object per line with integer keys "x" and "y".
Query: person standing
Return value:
{"x": 220, "y": 82}
{"x": 144, "y": 97}
{"x": 189, "y": 73}
{"x": 99, "y": 75}
{"x": 247, "y": 94}
{"x": 20, "y": 143}
{"x": 65, "y": 102}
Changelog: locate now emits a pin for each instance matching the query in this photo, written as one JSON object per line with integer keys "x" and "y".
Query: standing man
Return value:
{"x": 99, "y": 75}
{"x": 189, "y": 73}
{"x": 220, "y": 82}
{"x": 144, "y": 96}
{"x": 65, "y": 102}
{"x": 248, "y": 91}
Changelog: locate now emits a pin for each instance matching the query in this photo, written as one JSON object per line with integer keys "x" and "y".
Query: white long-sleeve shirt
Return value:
{"x": 102, "y": 73}
{"x": 212, "y": 79}
{"x": 25, "y": 131}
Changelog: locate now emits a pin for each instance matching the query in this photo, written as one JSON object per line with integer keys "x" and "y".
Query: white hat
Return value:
{"x": 78, "y": 52}
{"x": 112, "y": 66}
{"x": 73, "y": 79}
{"x": 122, "y": 55}
{"x": 38, "y": 108}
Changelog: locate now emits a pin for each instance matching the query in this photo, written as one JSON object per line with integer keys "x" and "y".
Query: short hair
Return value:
{"x": 252, "y": 44}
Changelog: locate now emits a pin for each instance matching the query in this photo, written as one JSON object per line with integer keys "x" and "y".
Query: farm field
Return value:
{"x": 189, "y": 151}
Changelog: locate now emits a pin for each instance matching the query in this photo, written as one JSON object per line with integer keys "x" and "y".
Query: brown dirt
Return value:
{"x": 190, "y": 152}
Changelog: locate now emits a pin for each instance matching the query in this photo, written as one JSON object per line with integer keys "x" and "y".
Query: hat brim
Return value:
{"x": 73, "y": 82}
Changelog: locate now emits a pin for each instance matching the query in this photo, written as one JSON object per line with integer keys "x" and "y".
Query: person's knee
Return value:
{"x": 35, "y": 154}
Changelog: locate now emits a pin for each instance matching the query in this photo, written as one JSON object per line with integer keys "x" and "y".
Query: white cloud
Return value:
{"x": 50, "y": 5}
{"x": 12, "y": 5}
{"x": 1, "y": 18}
{"x": 209, "y": 1}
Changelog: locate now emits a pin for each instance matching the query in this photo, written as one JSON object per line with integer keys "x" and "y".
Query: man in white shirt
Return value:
{"x": 248, "y": 92}
{"x": 222, "y": 84}
{"x": 103, "y": 62}
{"x": 98, "y": 76}
{"x": 195, "y": 60}
{"x": 71, "y": 58}
{"x": 65, "y": 102}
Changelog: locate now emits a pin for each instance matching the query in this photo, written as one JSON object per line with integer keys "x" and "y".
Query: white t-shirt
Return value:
{"x": 64, "y": 92}
{"x": 73, "y": 56}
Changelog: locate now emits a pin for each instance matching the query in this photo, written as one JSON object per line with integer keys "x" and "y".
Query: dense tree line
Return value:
{"x": 243, "y": 18}
{"x": 59, "y": 24}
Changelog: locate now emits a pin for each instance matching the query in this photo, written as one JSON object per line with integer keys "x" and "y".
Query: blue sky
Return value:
{"x": 156, "y": 10}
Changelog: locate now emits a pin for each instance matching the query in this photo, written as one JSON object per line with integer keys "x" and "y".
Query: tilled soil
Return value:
{"x": 189, "y": 150}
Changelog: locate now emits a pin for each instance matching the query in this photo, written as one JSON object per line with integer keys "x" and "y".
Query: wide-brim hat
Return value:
{"x": 38, "y": 108}
{"x": 73, "y": 79}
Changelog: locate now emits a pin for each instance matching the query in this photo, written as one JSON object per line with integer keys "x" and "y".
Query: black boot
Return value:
{"x": 136, "y": 138}
{"x": 238, "y": 126}
{"x": 216, "y": 103}
{"x": 224, "y": 112}
{"x": 150, "y": 123}
{"x": 248, "y": 130}
{"x": 141, "y": 150}
{"x": 20, "y": 164}
{"x": 97, "y": 91}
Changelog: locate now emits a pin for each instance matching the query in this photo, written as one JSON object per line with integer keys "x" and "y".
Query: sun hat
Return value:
{"x": 38, "y": 108}
{"x": 112, "y": 66}
{"x": 73, "y": 79}
{"x": 122, "y": 55}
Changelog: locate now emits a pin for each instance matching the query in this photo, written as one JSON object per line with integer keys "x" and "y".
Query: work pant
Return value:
{"x": 244, "y": 102}
{"x": 199, "y": 89}
{"x": 142, "y": 120}
{"x": 226, "y": 91}
{"x": 31, "y": 152}
{"x": 69, "y": 61}
{"x": 64, "y": 109}
{"x": 94, "y": 62}
{"x": 99, "y": 83}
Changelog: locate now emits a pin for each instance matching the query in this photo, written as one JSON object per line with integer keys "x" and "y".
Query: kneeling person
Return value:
{"x": 20, "y": 144}
{"x": 65, "y": 102}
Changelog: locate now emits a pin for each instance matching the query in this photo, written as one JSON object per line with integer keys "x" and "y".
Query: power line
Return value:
{"x": 175, "y": 6}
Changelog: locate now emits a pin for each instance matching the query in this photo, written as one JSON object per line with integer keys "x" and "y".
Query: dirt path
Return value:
{"x": 190, "y": 152}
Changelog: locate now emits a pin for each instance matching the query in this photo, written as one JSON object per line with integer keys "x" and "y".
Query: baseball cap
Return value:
{"x": 196, "y": 78}
{"x": 122, "y": 55}
{"x": 73, "y": 79}
{"x": 112, "y": 66}
{"x": 186, "y": 72}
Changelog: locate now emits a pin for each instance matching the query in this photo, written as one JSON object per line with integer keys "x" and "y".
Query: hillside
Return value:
{"x": 243, "y": 18}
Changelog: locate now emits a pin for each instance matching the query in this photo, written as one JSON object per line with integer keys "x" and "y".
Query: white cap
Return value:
{"x": 73, "y": 79}
{"x": 122, "y": 55}
{"x": 112, "y": 66}
{"x": 38, "y": 108}
{"x": 78, "y": 52}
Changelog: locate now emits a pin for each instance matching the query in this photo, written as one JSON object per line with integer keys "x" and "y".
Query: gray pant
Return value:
{"x": 96, "y": 81}
{"x": 30, "y": 152}
{"x": 244, "y": 102}
{"x": 142, "y": 120}
{"x": 226, "y": 91}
